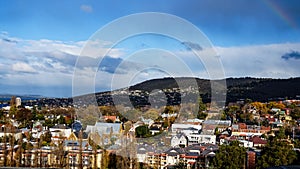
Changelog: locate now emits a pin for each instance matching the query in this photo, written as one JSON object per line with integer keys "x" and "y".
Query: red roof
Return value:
{"x": 191, "y": 156}
{"x": 265, "y": 128}
{"x": 257, "y": 140}
{"x": 113, "y": 118}
{"x": 242, "y": 126}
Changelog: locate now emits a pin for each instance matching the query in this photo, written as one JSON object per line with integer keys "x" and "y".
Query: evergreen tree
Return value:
{"x": 142, "y": 131}
{"x": 277, "y": 152}
{"x": 202, "y": 114}
{"x": 230, "y": 156}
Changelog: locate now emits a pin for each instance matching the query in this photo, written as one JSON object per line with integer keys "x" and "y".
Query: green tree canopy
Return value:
{"x": 277, "y": 152}
{"x": 295, "y": 114}
{"x": 230, "y": 156}
{"x": 202, "y": 114}
{"x": 142, "y": 131}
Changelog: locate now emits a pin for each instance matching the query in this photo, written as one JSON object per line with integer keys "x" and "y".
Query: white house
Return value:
{"x": 179, "y": 140}
{"x": 201, "y": 138}
{"x": 60, "y": 132}
{"x": 187, "y": 129}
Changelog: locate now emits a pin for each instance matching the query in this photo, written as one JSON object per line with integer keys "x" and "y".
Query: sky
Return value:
{"x": 48, "y": 47}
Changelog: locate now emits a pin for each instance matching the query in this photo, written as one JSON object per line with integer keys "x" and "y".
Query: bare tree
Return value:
{"x": 5, "y": 148}
{"x": 19, "y": 152}
{"x": 80, "y": 150}
{"x": 12, "y": 145}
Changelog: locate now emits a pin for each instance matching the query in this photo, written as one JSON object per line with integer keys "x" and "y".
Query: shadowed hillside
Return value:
{"x": 256, "y": 89}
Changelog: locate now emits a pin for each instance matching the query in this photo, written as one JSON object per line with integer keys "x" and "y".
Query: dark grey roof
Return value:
{"x": 285, "y": 167}
{"x": 144, "y": 148}
{"x": 179, "y": 135}
{"x": 175, "y": 151}
{"x": 192, "y": 154}
{"x": 206, "y": 152}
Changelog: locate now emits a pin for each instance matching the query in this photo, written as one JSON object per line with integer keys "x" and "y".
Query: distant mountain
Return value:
{"x": 7, "y": 97}
{"x": 256, "y": 89}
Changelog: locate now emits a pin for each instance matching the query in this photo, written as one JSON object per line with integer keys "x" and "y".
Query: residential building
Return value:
{"x": 179, "y": 140}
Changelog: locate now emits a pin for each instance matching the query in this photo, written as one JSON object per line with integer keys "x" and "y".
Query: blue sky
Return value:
{"x": 41, "y": 41}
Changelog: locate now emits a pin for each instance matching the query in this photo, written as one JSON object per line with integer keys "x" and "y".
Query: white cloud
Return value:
{"x": 260, "y": 61}
{"x": 86, "y": 8}
{"x": 52, "y": 63}
{"x": 23, "y": 67}
{"x": 45, "y": 62}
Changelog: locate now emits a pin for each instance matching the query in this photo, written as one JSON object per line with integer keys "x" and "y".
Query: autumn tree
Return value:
{"x": 19, "y": 152}
{"x": 12, "y": 145}
{"x": 151, "y": 114}
{"x": 104, "y": 159}
{"x": 127, "y": 126}
{"x": 46, "y": 137}
{"x": 170, "y": 110}
{"x": 276, "y": 105}
{"x": 88, "y": 115}
{"x": 5, "y": 153}
{"x": 188, "y": 111}
{"x": 94, "y": 148}
{"x": 24, "y": 116}
{"x": 233, "y": 109}
{"x": 260, "y": 107}
{"x": 132, "y": 114}
{"x": 13, "y": 108}
{"x": 36, "y": 154}
{"x": 80, "y": 150}
{"x": 60, "y": 158}
{"x": 108, "y": 110}
{"x": 125, "y": 157}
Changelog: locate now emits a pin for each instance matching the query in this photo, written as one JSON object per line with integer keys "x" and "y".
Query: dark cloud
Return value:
{"x": 109, "y": 64}
{"x": 116, "y": 65}
{"x": 9, "y": 40}
{"x": 291, "y": 55}
{"x": 191, "y": 45}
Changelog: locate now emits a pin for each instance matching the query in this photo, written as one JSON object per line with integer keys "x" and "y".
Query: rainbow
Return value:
{"x": 281, "y": 13}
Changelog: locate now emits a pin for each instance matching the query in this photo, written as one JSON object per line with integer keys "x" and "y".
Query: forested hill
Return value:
{"x": 256, "y": 89}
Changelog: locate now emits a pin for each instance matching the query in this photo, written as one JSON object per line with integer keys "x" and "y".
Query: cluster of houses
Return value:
{"x": 68, "y": 148}
{"x": 192, "y": 143}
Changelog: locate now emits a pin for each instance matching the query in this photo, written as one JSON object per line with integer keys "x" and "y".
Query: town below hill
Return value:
{"x": 237, "y": 89}
{"x": 95, "y": 131}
